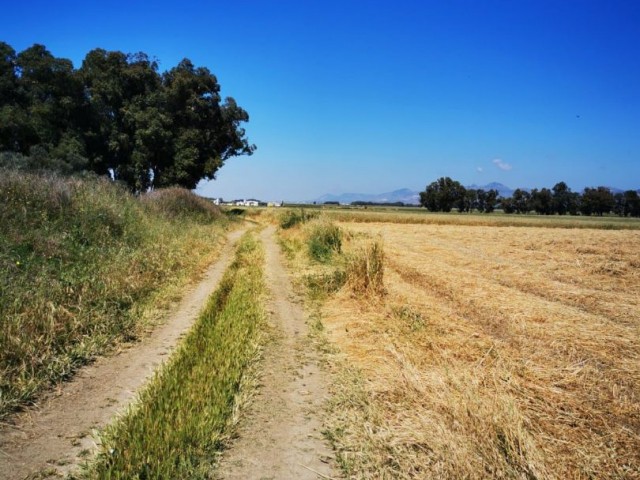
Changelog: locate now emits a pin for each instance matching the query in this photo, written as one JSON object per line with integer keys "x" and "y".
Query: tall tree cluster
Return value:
{"x": 117, "y": 115}
{"x": 445, "y": 194}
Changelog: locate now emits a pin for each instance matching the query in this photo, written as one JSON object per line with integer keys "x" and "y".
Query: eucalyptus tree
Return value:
{"x": 442, "y": 195}
{"x": 597, "y": 201}
{"x": 206, "y": 131}
{"x": 117, "y": 115}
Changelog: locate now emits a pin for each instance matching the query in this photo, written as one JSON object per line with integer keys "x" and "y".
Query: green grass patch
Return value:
{"x": 290, "y": 218}
{"x": 83, "y": 264}
{"x": 324, "y": 239}
{"x": 319, "y": 285}
{"x": 180, "y": 420}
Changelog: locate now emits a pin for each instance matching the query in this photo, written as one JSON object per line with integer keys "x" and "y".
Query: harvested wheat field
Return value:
{"x": 496, "y": 352}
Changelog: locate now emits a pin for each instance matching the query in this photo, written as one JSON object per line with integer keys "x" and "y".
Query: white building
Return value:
{"x": 250, "y": 202}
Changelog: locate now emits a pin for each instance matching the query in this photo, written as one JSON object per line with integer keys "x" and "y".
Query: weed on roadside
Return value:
{"x": 365, "y": 270}
{"x": 321, "y": 284}
{"x": 290, "y": 218}
{"x": 324, "y": 239}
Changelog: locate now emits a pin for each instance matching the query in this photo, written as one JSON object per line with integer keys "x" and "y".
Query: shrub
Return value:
{"x": 291, "y": 218}
{"x": 324, "y": 239}
{"x": 180, "y": 203}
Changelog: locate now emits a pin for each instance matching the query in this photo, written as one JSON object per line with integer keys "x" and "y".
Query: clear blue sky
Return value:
{"x": 371, "y": 96}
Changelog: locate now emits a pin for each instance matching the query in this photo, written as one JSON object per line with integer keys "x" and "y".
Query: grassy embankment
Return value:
{"x": 84, "y": 265}
{"x": 489, "y": 352}
{"x": 178, "y": 424}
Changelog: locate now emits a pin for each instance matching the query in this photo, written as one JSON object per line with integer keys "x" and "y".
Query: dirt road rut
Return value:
{"x": 279, "y": 436}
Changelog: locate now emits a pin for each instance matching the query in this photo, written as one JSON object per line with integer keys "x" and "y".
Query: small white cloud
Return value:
{"x": 502, "y": 165}
{"x": 479, "y": 169}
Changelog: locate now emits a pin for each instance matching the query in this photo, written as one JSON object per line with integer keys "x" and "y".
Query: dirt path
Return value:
{"x": 54, "y": 437}
{"x": 280, "y": 436}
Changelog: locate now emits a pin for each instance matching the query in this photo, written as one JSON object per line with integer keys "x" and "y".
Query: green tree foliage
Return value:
{"x": 12, "y": 116}
{"x": 541, "y": 201}
{"x": 487, "y": 200}
{"x": 521, "y": 201}
{"x": 206, "y": 131}
{"x": 597, "y": 201}
{"x": 445, "y": 194}
{"x": 117, "y": 116}
{"x": 468, "y": 201}
{"x": 627, "y": 204}
{"x": 561, "y": 200}
{"x": 564, "y": 200}
{"x": 508, "y": 205}
{"x": 119, "y": 88}
{"x": 480, "y": 200}
{"x": 52, "y": 95}
{"x": 442, "y": 195}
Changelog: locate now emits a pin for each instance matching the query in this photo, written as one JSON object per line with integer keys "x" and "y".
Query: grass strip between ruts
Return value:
{"x": 180, "y": 419}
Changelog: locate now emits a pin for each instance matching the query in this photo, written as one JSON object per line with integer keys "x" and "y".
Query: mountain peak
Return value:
{"x": 502, "y": 189}
{"x": 404, "y": 195}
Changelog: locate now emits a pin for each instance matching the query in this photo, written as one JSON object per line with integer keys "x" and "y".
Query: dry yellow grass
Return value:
{"x": 422, "y": 216}
{"x": 498, "y": 352}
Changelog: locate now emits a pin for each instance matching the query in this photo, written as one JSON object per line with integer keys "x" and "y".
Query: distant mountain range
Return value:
{"x": 412, "y": 197}
{"x": 503, "y": 190}
{"x": 403, "y": 195}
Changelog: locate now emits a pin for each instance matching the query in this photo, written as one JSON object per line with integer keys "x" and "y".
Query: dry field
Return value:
{"x": 497, "y": 352}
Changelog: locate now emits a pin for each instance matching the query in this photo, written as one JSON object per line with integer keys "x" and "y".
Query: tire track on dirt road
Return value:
{"x": 279, "y": 435}
{"x": 54, "y": 437}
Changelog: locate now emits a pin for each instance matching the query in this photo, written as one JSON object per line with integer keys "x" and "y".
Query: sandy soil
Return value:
{"x": 51, "y": 439}
{"x": 279, "y": 436}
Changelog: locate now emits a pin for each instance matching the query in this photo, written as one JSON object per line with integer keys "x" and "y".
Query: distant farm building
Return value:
{"x": 250, "y": 202}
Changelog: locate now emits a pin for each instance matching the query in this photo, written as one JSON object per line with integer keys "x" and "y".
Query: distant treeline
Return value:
{"x": 116, "y": 115}
{"x": 445, "y": 194}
